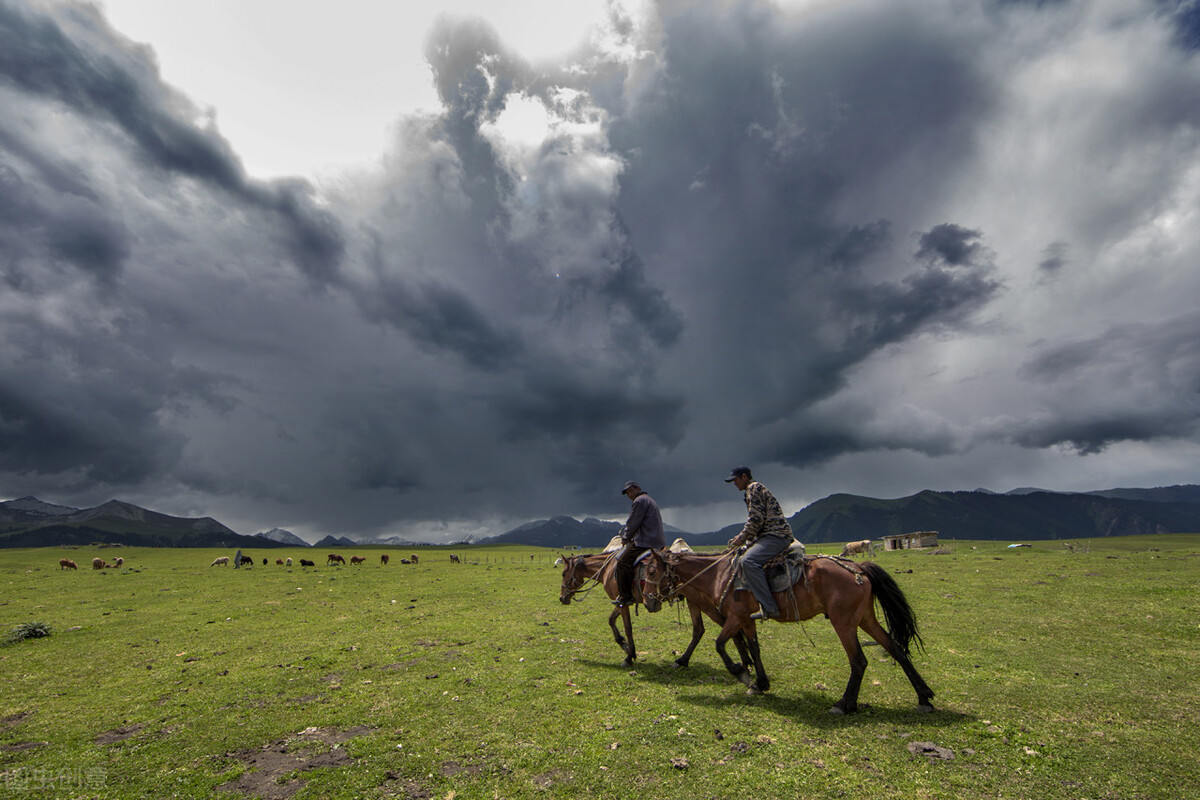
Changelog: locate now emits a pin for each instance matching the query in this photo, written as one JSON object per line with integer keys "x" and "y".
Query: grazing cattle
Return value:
{"x": 334, "y": 557}
{"x": 264, "y": 562}
{"x": 454, "y": 559}
{"x": 98, "y": 563}
{"x": 289, "y": 561}
{"x": 222, "y": 561}
{"x": 680, "y": 546}
{"x": 304, "y": 562}
{"x": 247, "y": 561}
{"x": 413, "y": 558}
{"x": 858, "y": 548}
{"x": 118, "y": 562}
{"x": 383, "y": 559}
{"x": 66, "y": 563}
{"x": 357, "y": 559}
{"x": 279, "y": 562}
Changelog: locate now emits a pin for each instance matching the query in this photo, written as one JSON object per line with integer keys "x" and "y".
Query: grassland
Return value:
{"x": 1058, "y": 674}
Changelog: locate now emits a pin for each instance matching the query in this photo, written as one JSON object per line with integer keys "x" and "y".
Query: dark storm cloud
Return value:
{"x": 1055, "y": 257}
{"x": 1135, "y": 382}
{"x": 1186, "y": 16}
{"x": 72, "y": 57}
{"x": 815, "y": 242}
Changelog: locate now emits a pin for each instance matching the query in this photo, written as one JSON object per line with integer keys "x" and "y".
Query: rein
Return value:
{"x": 576, "y": 562}
{"x": 669, "y": 572}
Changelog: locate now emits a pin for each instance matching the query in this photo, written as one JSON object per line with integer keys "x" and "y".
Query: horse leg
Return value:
{"x": 697, "y": 634}
{"x": 626, "y": 647}
{"x": 739, "y": 641}
{"x": 630, "y": 650}
{"x": 731, "y": 628}
{"x": 847, "y": 632}
{"x": 763, "y": 683}
{"x": 873, "y": 629}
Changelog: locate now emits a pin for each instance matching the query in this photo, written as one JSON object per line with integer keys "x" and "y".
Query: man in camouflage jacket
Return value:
{"x": 766, "y": 533}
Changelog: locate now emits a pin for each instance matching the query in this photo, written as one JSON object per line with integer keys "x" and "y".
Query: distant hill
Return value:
{"x": 1162, "y": 494}
{"x": 283, "y": 536}
{"x": 336, "y": 541}
{"x": 1021, "y": 514}
{"x": 559, "y": 531}
{"x": 29, "y": 522}
{"x": 982, "y": 515}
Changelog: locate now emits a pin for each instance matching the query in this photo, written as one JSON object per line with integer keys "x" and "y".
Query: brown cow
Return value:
{"x": 98, "y": 563}
{"x": 858, "y": 548}
{"x": 66, "y": 563}
{"x": 279, "y": 561}
{"x": 118, "y": 562}
{"x": 334, "y": 557}
{"x": 357, "y": 559}
{"x": 454, "y": 559}
{"x": 413, "y": 558}
{"x": 383, "y": 559}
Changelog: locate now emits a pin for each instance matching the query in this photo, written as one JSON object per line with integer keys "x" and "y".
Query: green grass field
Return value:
{"x": 1058, "y": 674}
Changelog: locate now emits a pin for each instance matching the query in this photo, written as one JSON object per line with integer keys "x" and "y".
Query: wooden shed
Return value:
{"x": 910, "y": 541}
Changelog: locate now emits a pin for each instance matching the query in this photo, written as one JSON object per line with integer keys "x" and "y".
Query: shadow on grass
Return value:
{"x": 793, "y": 703}
{"x": 812, "y": 707}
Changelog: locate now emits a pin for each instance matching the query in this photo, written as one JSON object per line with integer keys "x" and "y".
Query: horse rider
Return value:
{"x": 766, "y": 533}
{"x": 643, "y": 531}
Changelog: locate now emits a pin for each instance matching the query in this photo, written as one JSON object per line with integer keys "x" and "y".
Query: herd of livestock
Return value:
{"x": 332, "y": 558}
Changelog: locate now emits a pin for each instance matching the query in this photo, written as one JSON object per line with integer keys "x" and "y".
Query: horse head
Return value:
{"x": 572, "y": 578}
{"x": 657, "y": 579}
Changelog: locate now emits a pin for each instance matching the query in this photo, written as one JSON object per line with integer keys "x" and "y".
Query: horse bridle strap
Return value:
{"x": 576, "y": 561}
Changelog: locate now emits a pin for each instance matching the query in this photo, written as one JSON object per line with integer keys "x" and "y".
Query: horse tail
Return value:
{"x": 901, "y": 620}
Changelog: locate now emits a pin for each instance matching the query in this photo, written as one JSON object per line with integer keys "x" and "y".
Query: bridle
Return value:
{"x": 668, "y": 577}
{"x": 576, "y": 562}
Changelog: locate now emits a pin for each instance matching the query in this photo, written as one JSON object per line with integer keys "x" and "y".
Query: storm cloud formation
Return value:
{"x": 871, "y": 247}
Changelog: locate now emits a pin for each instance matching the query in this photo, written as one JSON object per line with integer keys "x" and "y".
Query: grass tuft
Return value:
{"x": 28, "y": 630}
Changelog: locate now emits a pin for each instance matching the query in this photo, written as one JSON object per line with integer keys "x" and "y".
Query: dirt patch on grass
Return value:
{"x": 548, "y": 779}
{"x": 19, "y": 746}
{"x": 272, "y": 763}
{"x": 396, "y": 786}
{"x": 119, "y": 734}
{"x": 13, "y": 720}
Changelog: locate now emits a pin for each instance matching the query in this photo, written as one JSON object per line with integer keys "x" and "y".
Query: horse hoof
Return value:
{"x": 837, "y": 711}
{"x": 925, "y": 708}
{"x": 753, "y": 690}
{"x": 679, "y": 665}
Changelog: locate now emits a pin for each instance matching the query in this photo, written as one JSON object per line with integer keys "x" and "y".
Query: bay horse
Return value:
{"x": 601, "y": 568}
{"x": 845, "y": 592}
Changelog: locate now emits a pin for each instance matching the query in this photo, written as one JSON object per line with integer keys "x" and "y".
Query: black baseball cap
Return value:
{"x": 737, "y": 472}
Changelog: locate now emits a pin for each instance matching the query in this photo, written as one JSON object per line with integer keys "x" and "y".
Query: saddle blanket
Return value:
{"x": 782, "y": 574}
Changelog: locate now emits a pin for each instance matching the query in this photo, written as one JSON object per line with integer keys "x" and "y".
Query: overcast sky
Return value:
{"x": 347, "y": 269}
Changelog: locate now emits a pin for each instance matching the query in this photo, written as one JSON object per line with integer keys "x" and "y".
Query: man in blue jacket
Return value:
{"x": 643, "y": 531}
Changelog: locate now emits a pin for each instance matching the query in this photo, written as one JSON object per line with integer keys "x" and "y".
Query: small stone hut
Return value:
{"x": 911, "y": 541}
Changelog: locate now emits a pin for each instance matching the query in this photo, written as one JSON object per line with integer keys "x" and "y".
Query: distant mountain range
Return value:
{"x": 29, "y": 522}
{"x": 283, "y": 536}
{"x": 1022, "y": 514}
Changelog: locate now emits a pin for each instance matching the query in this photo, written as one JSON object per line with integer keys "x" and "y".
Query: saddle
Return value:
{"x": 783, "y": 571}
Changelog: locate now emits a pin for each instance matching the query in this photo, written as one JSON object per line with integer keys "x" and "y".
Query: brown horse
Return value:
{"x": 601, "y": 568}
{"x": 844, "y": 592}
